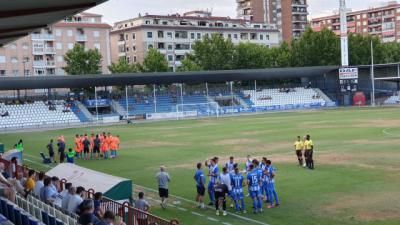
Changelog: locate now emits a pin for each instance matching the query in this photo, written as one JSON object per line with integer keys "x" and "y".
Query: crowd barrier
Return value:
{"x": 129, "y": 214}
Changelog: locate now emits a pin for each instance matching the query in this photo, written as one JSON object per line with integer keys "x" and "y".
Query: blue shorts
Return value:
{"x": 255, "y": 194}
{"x": 237, "y": 194}
{"x": 201, "y": 190}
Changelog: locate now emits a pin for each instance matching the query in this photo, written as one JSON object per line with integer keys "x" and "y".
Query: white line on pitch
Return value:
{"x": 197, "y": 214}
{"x": 212, "y": 219}
{"x": 193, "y": 202}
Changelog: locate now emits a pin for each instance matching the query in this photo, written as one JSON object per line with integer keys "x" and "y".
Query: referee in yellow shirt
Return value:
{"x": 308, "y": 154}
{"x": 298, "y": 147}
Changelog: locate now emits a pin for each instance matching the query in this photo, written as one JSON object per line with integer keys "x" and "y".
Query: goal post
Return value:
{"x": 197, "y": 110}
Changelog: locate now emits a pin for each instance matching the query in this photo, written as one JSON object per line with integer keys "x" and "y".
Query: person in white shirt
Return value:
{"x": 225, "y": 178}
{"x": 75, "y": 200}
{"x": 39, "y": 184}
{"x": 65, "y": 200}
{"x": 62, "y": 195}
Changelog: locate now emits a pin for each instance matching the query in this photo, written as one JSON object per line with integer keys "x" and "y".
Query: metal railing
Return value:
{"x": 129, "y": 214}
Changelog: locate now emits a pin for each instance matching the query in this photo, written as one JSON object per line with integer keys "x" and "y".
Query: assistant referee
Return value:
{"x": 309, "y": 150}
{"x": 298, "y": 147}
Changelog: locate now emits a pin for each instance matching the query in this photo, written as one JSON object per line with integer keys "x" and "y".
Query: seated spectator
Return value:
{"x": 75, "y": 200}
{"x": 98, "y": 211}
{"x": 87, "y": 217}
{"x": 6, "y": 189}
{"x": 48, "y": 193}
{"x": 55, "y": 183}
{"x": 108, "y": 218}
{"x": 62, "y": 195}
{"x": 17, "y": 184}
{"x": 39, "y": 184}
{"x": 3, "y": 172}
{"x": 4, "y": 113}
{"x": 30, "y": 182}
{"x": 144, "y": 206}
{"x": 65, "y": 200}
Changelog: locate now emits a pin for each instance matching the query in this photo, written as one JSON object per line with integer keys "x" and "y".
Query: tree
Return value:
{"x": 252, "y": 56}
{"x": 155, "y": 62}
{"x": 80, "y": 61}
{"x": 122, "y": 66}
{"x": 282, "y": 55}
{"x": 188, "y": 64}
{"x": 214, "y": 53}
{"x": 316, "y": 49}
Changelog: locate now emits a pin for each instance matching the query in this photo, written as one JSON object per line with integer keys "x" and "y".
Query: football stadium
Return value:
{"x": 280, "y": 145}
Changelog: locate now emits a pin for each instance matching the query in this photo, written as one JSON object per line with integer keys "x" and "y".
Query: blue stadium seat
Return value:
{"x": 4, "y": 209}
{"x": 17, "y": 216}
{"x": 24, "y": 218}
{"x": 59, "y": 222}
{"x": 45, "y": 218}
{"x": 33, "y": 221}
{"x": 10, "y": 211}
{"x": 52, "y": 220}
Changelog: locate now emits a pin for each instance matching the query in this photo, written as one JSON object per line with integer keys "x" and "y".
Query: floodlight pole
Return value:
{"x": 154, "y": 98}
{"x": 255, "y": 92}
{"x": 95, "y": 102}
{"x": 231, "y": 84}
{"x": 127, "y": 104}
{"x": 181, "y": 86}
{"x": 372, "y": 75}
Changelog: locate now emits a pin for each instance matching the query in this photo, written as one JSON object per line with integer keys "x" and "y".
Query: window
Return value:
{"x": 15, "y": 72}
{"x": 181, "y": 34}
{"x": 70, "y": 45}
{"x": 230, "y": 36}
{"x": 97, "y": 45}
{"x": 267, "y": 37}
{"x": 13, "y": 46}
{"x": 134, "y": 48}
{"x": 69, "y": 33}
{"x": 25, "y": 59}
{"x": 134, "y": 58}
{"x": 147, "y": 21}
{"x": 27, "y": 72}
{"x": 364, "y": 23}
{"x": 60, "y": 58}
{"x": 133, "y": 36}
{"x": 253, "y": 36}
{"x": 126, "y": 37}
{"x": 364, "y": 16}
{"x": 160, "y": 34}
{"x": 2, "y": 72}
{"x": 261, "y": 37}
{"x": 58, "y": 32}
{"x": 235, "y": 36}
{"x": 198, "y": 36}
{"x": 14, "y": 60}
{"x": 191, "y": 35}
{"x": 169, "y": 34}
{"x": 358, "y": 17}
{"x": 127, "y": 49}
{"x": 58, "y": 46}
{"x": 25, "y": 45}
{"x": 169, "y": 47}
{"x": 149, "y": 34}
{"x": 96, "y": 33}
{"x": 170, "y": 58}
{"x": 358, "y": 23}
{"x": 150, "y": 46}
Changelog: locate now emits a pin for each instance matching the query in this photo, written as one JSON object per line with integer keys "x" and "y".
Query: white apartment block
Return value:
{"x": 174, "y": 35}
{"x": 42, "y": 52}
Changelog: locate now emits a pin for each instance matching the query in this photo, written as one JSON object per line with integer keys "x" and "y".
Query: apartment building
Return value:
{"x": 42, "y": 52}
{"x": 174, "y": 35}
{"x": 383, "y": 22}
{"x": 290, "y": 16}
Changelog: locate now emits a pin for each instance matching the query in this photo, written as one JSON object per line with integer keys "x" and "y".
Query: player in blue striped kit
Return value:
{"x": 237, "y": 191}
{"x": 254, "y": 182}
{"x": 264, "y": 185}
{"x": 272, "y": 195}
{"x": 213, "y": 172}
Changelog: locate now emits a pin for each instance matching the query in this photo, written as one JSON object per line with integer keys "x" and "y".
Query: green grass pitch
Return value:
{"x": 357, "y": 160}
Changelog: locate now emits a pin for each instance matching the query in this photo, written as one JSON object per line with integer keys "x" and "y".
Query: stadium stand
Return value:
{"x": 392, "y": 100}
{"x": 36, "y": 113}
{"x": 290, "y": 96}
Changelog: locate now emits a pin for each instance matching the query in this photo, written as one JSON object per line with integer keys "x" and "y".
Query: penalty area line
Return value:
{"x": 386, "y": 131}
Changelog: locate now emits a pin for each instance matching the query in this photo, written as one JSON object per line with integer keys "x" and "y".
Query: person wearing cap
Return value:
{"x": 163, "y": 179}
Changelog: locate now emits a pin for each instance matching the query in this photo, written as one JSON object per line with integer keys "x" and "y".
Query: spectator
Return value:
{"x": 48, "y": 193}
{"x": 13, "y": 167}
{"x": 108, "y": 218}
{"x": 65, "y": 200}
{"x": 75, "y": 200}
{"x": 174, "y": 222}
{"x": 98, "y": 211}
{"x": 51, "y": 150}
{"x": 30, "y": 182}
{"x": 39, "y": 184}
{"x": 17, "y": 184}
{"x": 3, "y": 172}
{"x": 87, "y": 217}
{"x": 144, "y": 206}
{"x": 62, "y": 194}
{"x": 55, "y": 183}
{"x": 6, "y": 189}
{"x": 163, "y": 179}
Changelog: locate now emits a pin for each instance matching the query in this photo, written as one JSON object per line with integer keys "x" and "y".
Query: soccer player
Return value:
{"x": 92, "y": 137}
{"x": 51, "y": 150}
{"x": 86, "y": 147}
{"x": 117, "y": 143}
{"x": 254, "y": 182}
{"x": 264, "y": 185}
{"x": 221, "y": 190}
{"x": 200, "y": 186}
{"x": 248, "y": 163}
{"x": 96, "y": 146}
{"x": 213, "y": 172}
{"x": 272, "y": 195}
{"x": 309, "y": 150}
{"x": 298, "y": 147}
{"x": 77, "y": 144}
{"x": 230, "y": 165}
{"x": 237, "y": 191}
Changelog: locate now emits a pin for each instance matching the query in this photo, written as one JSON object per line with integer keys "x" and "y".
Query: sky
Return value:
{"x": 117, "y": 10}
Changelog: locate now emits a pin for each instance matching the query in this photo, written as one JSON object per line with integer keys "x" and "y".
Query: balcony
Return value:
{"x": 299, "y": 3}
{"x": 81, "y": 38}
{"x": 42, "y": 37}
{"x": 299, "y": 12}
{"x": 44, "y": 51}
{"x": 44, "y": 64}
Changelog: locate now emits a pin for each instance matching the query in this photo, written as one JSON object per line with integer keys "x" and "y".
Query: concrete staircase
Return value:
{"x": 84, "y": 110}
